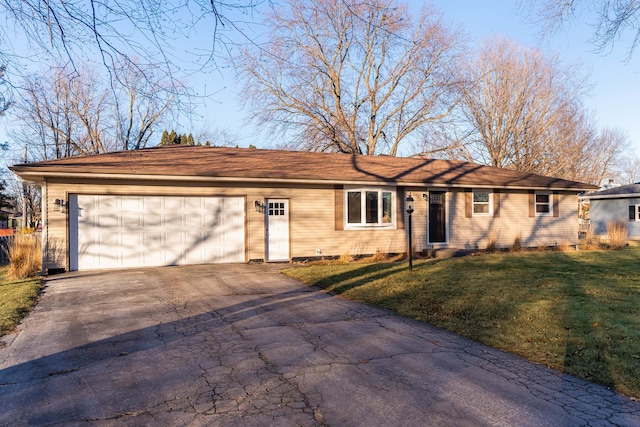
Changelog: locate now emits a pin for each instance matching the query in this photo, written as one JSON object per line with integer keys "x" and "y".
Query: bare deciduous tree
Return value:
{"x": 217, "y": 136}
{"x": 350, "y": 76}
{"x": 66, "y": 113}
{"x": 522, "y": 110}
{"x": 613, "y": 18}
{"x": 63, "y": 114}
{"x": 628, "y": 170}
{"x": 46, "y": 121}
{"x": 516, "y": 95}
{"x": 139, "y": 107}
{"x": 29, "y": 197}
{"x": 5, "y": 97}
{"x": 117, "y": 32}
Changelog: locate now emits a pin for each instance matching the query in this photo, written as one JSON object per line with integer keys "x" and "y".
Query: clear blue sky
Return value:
{"x": 613, "y": 98}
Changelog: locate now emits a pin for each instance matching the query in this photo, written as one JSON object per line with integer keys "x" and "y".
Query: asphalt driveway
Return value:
{"x": 244, "y": 345}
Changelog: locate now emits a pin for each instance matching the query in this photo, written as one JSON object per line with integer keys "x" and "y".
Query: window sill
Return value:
{"x": 370, "y": 227}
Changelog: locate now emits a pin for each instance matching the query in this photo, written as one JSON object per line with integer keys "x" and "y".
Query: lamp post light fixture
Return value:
{"x": 408, "y": 205}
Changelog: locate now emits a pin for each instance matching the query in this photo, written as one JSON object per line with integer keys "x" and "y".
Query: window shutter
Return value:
{"x": 339, "y": 209}
{"x": 632, "y": 213}
{"x": 532, "y": 203}
{"x": 496, "y": 203}
{"x": 400, "y": 208}
{"x": 468, "y": 202}
{"x": 556, "y": 204}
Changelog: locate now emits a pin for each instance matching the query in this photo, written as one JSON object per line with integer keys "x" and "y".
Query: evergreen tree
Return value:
{"x": 173, "y": 137}
{"x": 6, "y": 201}
{"x": 165, "y": 138}
{"x": 170, "y": 138}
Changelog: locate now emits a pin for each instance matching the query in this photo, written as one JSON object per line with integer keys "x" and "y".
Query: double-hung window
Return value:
{"x": 544, "y": 204}
{"x": 369, "y": 207}
{"x": 482, "y": 203}
{"x": 634, "y": 213}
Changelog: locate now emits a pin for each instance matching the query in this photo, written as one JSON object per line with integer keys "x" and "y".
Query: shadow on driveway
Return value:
{"x": 242, "y": 344}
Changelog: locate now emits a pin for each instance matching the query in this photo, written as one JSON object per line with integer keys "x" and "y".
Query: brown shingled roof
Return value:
{"x": 276, "y": 165}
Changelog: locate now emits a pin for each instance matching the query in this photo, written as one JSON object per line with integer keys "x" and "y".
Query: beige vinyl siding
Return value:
{"x": 312, "y": 211}
{"x": 514, "y": 221}
{"x": 312, "y": 218}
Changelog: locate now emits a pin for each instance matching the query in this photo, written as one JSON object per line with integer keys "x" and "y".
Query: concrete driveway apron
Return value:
{"x": 244, "y": 345}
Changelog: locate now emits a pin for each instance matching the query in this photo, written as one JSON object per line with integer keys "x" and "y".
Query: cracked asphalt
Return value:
{"x": 243, "y": 345}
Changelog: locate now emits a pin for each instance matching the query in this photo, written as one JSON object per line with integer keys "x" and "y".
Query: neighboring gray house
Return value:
{"x": 616, "y": 204}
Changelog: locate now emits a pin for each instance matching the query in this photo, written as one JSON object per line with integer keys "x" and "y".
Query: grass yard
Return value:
{"x": 578, "y": 312}
{"x": 17, "y": 297}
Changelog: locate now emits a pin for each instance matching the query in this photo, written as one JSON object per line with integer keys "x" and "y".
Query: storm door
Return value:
{"x": 437, "y": 217}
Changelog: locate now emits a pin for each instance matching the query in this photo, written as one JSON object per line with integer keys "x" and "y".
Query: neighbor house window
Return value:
{"x": 371, "y": 207}
{"x": 544, "y": 205}
{"x": 482, "y": 203}
{"x": 634, "y": 213}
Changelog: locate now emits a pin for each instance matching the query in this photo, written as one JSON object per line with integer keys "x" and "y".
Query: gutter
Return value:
{"x": 41, "y": 177}
{"x": 613, "y": 196}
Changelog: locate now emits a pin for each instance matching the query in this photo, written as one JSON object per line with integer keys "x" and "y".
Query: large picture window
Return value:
{"x": 370, "y": 207}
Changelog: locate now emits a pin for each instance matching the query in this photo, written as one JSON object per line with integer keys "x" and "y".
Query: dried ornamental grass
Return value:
{"x": 24, "y": 253}
{"x": 617, "y": 235}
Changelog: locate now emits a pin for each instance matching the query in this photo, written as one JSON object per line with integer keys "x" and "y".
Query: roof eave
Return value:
{"x": 41, "y": 176}
{"x": 613, "y": 196}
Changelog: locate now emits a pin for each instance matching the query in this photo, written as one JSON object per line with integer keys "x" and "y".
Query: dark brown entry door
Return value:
{"x": 437, "y": 219}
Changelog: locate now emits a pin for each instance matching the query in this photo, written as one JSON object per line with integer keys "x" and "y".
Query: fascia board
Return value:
{"x": 41, "y": 176}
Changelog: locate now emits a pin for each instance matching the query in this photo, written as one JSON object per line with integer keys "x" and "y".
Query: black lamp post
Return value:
{"x": 408, "y": 204}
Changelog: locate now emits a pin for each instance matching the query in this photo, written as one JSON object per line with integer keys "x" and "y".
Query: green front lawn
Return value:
{"x": 578, "y": 312}
{"x": 17, "y": 297}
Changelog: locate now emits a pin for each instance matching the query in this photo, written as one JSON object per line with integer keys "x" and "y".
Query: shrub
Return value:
{"x": 590, "y": 241}
{"x": 377, "y": 257}
{"x": 492, "y": 244}
{"x": 517, "y": 246}
{"x": 24, "y": 256}
{"x": 345, "y": 259}
{"x": 617, "y": 234}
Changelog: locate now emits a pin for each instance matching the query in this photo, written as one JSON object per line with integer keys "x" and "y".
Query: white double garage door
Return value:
{"x": 111, "y": 231}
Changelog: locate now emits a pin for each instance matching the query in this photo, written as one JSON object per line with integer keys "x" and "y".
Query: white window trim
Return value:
{"x": 473, "y": 203}
{"x": 535, "y": 203}
{"x": 364, "y": 225}
{"x": 637, "y": 211}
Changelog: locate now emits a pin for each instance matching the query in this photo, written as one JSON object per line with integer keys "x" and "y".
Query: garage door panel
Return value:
{"x": 172, "y": 204}
{"x": 105, "y": 203}
{"x": 130, "y": 204}
{"x": 133, "y": 231}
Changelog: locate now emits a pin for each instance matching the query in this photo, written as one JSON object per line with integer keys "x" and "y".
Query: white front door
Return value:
{"x": 277, "y": 225}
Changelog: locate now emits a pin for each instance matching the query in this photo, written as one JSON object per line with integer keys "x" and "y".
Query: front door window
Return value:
{"x": 437, "y": 217}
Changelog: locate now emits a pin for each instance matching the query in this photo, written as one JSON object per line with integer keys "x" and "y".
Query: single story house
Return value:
{"x": 618, "y": 204}
{"x": 189, "y": 205}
